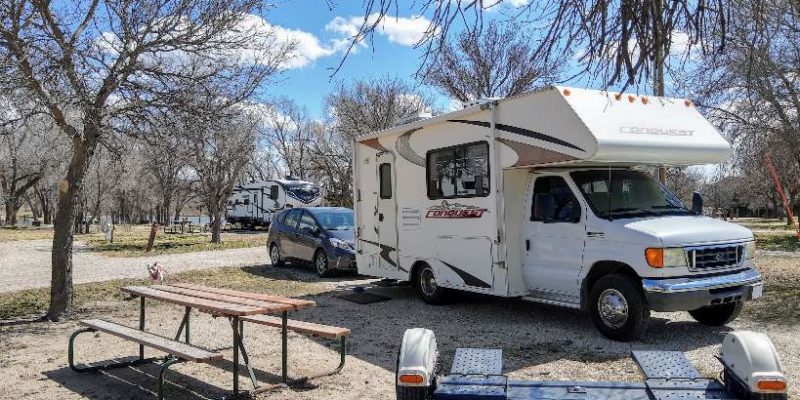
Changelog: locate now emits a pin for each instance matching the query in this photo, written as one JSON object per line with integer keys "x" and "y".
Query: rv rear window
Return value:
{"x": 458, "y": 171}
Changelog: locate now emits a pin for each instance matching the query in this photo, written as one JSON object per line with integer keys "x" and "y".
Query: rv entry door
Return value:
{"x": 387, "y": 211}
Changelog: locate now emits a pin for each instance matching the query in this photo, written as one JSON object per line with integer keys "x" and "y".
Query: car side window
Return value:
{"x": 307, "y": 222}
{"x": 565, "y": 201}
{"x": 291, "y": 218}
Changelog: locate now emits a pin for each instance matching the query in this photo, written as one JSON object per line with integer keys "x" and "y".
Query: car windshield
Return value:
{"x": 302, "y": 190}
{"x": 336, "y": 221}
{"x": 626, "y": 194}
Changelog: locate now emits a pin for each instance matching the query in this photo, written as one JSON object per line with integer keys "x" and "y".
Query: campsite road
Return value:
{"x": 25, "y": 264}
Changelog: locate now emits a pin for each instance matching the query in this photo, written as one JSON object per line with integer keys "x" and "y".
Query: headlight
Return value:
{"x": 340, "y": 244}
{"x": 658, "y": 257}
{"x": 749, "y": 252}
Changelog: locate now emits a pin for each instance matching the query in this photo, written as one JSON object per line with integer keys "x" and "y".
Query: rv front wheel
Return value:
{"x": 427, "y": 288}
{"x": 618, "y": 309}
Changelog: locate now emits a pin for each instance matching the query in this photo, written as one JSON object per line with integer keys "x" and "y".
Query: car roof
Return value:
{"x": 319, "y": 210}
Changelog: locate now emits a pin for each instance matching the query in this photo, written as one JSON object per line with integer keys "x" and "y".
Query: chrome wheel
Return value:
{"x": 613, "y": 308}
{"x": 427, "y": 282}
{"x": 275, "y": 255}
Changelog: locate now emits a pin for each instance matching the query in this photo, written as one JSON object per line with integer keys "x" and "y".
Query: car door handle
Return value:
{"x": 380, "y": 217}
{"x": 596, "y": 235}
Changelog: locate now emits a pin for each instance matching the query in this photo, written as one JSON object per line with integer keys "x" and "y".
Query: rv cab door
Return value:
{"x": 387, "y": 211}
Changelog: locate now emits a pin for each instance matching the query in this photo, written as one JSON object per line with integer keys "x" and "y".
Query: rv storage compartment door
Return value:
{"x": 466, "y": 262}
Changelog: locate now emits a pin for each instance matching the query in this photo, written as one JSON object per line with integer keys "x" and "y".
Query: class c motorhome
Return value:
{"x": 543, "y": 196}
{"x": 255, "y": 204}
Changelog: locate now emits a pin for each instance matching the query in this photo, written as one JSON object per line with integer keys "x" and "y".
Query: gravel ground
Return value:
{"x": 538, "y": 341}
{"x": 26, "y": 264}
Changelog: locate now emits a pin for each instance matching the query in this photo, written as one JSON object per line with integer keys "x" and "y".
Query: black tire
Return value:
{"x": 626, "y": 316}
{"x": 717, "y": 315}
{"x": 427, "y": 289}
{"x": 321, "y": 264}
{"x": 407, "y": 392}
{"x": 273, "y": 251}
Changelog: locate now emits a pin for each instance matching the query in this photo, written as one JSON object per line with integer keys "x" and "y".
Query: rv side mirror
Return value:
{"x": 697, "y": 203}
{"x": 545, "y": 208}
{"x": 273, "y": 192}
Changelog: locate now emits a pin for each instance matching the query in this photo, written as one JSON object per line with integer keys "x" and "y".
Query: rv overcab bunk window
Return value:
{"x": 458, "y": 171}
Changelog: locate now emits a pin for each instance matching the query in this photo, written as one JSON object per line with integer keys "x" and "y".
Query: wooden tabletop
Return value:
{"x": 221, "y": 302}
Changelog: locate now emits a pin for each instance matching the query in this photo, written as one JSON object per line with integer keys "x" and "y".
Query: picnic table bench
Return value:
{"x": 235, "y": 305}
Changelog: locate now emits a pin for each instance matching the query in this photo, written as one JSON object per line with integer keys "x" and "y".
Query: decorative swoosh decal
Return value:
{"x": 385, "y": 250}
{"x": 521, "y": 131}
{"x": 469, "y": 280}
{"x": 404, "y": 149}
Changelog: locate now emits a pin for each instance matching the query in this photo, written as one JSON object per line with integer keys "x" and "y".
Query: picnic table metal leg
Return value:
{"x": 141, "y": 325}
{"x": 245, "y": 357}
{"x": 162, "y": 374}
{"x": 184, "y": 325}
{"x": 284, "y": 347}
{"x": 236, "y": 343}
{"x": 186, "y": 318}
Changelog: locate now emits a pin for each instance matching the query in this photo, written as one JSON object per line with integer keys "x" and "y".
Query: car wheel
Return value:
{"x": 427, "y": 288}
{"x": 618, "y": 308}
{"x": 275, "y": 256}
{"x": 717, "y": 315}
{"x": 321, "y": 264}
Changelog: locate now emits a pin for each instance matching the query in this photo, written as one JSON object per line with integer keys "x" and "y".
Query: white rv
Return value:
{"x": 255, "y": 204}
{"x": 540, "y": 196}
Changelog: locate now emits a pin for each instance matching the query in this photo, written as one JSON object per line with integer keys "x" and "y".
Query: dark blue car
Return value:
{"x": 323, "y": 236}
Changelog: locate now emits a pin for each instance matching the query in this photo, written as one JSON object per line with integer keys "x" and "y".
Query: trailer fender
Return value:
{"x": 416, "y": 363}
{"x": 752, "y": 366}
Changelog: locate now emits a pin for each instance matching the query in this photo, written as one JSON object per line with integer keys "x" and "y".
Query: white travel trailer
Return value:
{"x": 539, "y": 196}
{"x": 255, "y": 204}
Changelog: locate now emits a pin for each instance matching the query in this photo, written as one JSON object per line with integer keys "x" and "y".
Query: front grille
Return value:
{"x": 703, "y": 258}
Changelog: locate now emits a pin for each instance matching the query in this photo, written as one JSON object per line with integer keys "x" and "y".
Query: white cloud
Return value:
{"x": 401, "y": 30}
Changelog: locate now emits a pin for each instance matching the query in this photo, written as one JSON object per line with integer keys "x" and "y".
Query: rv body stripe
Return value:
{"x": 385, "y": 250}
{"x": 469, "y": 280}
{"x": 521, "y": 131}
{"x": 404, "y": 149}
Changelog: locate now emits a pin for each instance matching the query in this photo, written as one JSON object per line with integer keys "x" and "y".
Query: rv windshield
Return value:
{"x": 302, "y": 191}
{"x": 632, "y": 194}
{"x": 336, "y": 221}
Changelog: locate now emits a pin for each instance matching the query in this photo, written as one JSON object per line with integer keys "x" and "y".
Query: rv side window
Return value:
{"x": 247, "y": 201}
{"x": 567, "y": 207}
{"x": 458, "y": 171}
{"x": 385, "y": 176}
{"x": 273, "y": 192}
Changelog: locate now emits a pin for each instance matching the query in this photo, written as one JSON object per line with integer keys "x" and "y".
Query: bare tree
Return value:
{"x": 287, "y": 130}
{"x": 220, "y": 142}
{"x": 91, "y": 64}
{"x": 366, "y": 106}
{"x": 498, "y": 62}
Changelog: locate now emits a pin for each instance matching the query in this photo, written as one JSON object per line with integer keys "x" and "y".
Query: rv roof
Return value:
{"x": 584, "y": 126}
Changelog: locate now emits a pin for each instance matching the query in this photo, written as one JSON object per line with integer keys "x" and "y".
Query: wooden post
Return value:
{"x": 152, "y": 239}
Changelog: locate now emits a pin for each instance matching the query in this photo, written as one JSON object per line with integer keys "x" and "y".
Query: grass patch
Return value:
{"x": 763, "y": 224}
{"x": 777, "y": 241}
{"x": 132, "y": 241}
{"x": 93, "y": 296}
{"x": 780, "y": 304}
{"x": 16, "y": 233}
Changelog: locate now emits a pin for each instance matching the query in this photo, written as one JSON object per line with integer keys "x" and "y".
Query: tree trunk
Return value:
{"x": 69, "y": 191}
{"x": 11, "y": 211}
{"x": 216, "y": 226}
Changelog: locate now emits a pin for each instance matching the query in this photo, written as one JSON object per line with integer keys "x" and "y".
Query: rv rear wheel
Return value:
{"x": 427, "y": 288}
{"x": 275, "y": 255}
{"x": 717, "y": 315}
{"x": 618, "y": 308}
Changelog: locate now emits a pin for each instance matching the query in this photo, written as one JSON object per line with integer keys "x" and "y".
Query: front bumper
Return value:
{"x": 683, "y": 294}
{"x": 342, "y": 260}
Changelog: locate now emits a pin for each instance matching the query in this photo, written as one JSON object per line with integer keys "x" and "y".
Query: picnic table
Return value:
{"x": 232, "y": 304}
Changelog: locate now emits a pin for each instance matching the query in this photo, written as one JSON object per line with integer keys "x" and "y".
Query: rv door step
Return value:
{"x": 471, "y": 361}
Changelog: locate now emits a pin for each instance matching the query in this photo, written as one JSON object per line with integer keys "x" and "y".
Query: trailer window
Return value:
{"x": 458, "y": 171}
{"x": 385, "y": 176}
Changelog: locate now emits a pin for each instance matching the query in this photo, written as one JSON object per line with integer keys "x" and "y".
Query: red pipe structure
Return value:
{"x": 777, "y": 180}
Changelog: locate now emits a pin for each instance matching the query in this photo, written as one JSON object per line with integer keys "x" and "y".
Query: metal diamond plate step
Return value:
{"x": 468, "y": 361}
{"x": 665, "y": 365}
